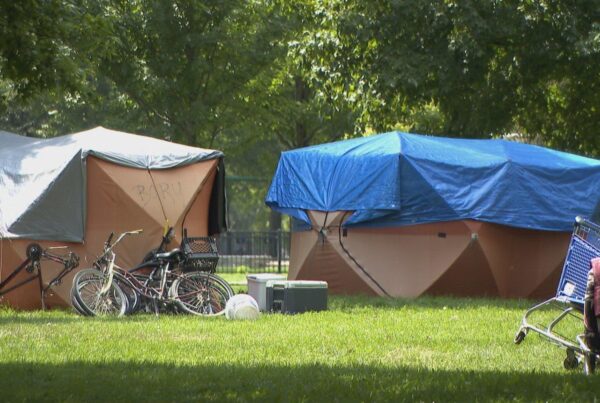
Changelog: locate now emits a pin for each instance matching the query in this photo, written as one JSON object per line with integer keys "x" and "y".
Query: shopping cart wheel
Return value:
{"x": 520, "y": 336}
{"x": 570, "y": 361}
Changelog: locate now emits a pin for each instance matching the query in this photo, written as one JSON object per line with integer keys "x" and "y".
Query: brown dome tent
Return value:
{"x": 404, "y": 215}
{"x": 74, "y": 190}
{"x": 463, "y": 258}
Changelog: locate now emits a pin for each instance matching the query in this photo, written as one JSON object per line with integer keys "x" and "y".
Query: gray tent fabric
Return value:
{"x": 42, "y": 181}
{"x": 60, "y": 208}
{"x": 8, "y": 139}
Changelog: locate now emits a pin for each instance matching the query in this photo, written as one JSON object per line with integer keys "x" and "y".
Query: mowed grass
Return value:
{"x": 361, "y": 349}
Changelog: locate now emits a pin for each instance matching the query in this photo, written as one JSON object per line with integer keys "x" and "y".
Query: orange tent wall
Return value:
{"x": 460, "y": 258}
{"x": 120, "y": 199}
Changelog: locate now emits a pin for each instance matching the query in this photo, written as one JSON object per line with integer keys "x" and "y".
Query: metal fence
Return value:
{"x": 254, "y": 252}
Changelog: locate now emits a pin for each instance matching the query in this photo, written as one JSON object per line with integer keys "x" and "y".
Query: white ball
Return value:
{"x": 242, "y": 307}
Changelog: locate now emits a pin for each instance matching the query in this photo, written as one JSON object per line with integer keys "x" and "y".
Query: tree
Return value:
{"x": 33, "y": 51}
{"x": 209, "y": 74}
{"x": 563, "y": 109}
{"x": 186, "y": 64}
{"x": 487, "y": 67}
{"x": 254, "y": 78}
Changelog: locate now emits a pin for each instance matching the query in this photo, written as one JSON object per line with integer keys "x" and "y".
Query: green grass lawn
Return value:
{"x": 361, "y": 349}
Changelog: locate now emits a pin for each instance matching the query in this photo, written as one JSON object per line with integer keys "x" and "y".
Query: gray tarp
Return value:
{"x": 42, "y": 181}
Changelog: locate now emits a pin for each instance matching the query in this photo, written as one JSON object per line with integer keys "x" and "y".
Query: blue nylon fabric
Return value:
{"x": 398, "y": 178}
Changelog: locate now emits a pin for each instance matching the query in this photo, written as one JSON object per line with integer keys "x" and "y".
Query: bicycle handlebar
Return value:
{"x": 108, "y": 246}
{"x": 124, "y": 234}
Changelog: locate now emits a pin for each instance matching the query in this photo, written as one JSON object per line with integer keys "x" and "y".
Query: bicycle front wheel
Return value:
{"x": 201, "y": 293}
{"x": 87, "y": 290}
{"x": 75, "y": 303}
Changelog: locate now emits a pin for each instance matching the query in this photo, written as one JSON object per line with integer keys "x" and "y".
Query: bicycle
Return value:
{"x": 158, "y": 282}
{"x": 94, "y": 293}
{"x": 32, "y": 265}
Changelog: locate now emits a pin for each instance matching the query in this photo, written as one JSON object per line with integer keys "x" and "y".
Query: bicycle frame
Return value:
{"x": 144, "y": 288}
{"x": 106, "y": 264}
{"x": 32, "y": 264}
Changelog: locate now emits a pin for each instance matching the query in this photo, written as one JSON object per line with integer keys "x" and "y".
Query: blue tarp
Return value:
{"x": 396, "y": 179}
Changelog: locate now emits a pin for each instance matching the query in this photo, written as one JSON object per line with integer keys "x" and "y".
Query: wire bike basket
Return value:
{"x": 200, "y": 253}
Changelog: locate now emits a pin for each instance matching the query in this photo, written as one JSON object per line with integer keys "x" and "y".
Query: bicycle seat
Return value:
{"x": 168, "y": 255}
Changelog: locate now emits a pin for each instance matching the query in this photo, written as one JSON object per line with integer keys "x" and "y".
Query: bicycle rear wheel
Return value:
{"x": 131, "y": 293}
{"x": 201, "y": 293}
{"x": 87, "y": 290}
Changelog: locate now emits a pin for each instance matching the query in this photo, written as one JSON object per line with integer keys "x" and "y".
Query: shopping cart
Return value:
{"x": 569, "y": 299}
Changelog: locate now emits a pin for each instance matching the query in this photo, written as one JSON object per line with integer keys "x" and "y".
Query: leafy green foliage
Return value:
{"x": 33, "y": 52}
{"x": 489, "y": 67}
{"x": 186, "y": 64}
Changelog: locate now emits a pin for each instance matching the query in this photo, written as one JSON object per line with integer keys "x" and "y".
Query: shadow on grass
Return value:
{"x": 342, "y": 303}
{"x": 123, "y": 381}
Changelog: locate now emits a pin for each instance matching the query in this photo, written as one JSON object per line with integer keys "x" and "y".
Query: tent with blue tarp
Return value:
{"x": 397, "y": 180}
{"x": 403, "y": 179}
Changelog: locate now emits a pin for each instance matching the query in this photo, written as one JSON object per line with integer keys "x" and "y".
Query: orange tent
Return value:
{"x": 463, "y": 258}
{"x": 97, "y": 182}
